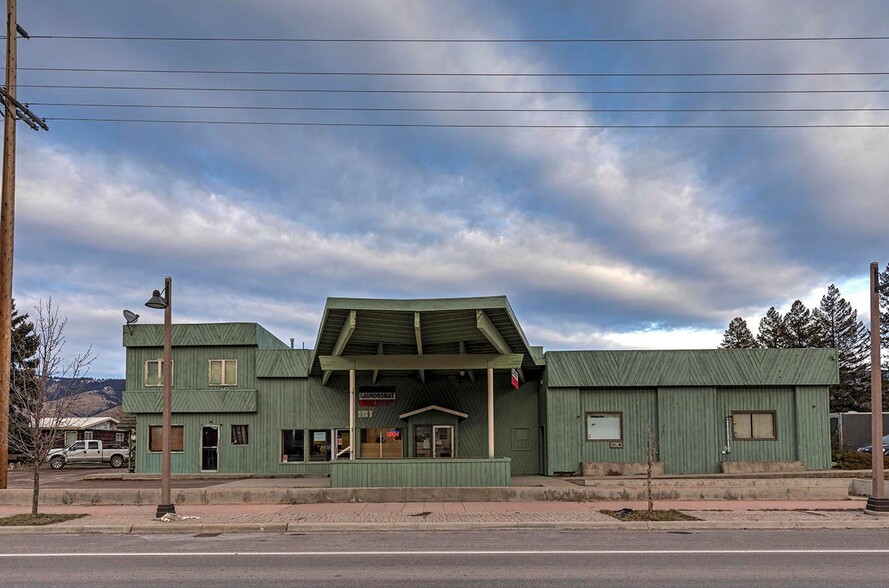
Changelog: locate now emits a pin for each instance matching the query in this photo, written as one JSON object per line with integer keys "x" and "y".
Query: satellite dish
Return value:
{"x": 130, "y": 316}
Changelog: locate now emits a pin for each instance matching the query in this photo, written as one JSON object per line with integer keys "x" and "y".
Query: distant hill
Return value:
{"x": 94, "y": 395}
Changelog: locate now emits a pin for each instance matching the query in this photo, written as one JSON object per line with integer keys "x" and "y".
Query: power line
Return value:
{"x": 469, "y": 126}
{"x": 418, "y": 109}
{"x": 390, "y": 91}
{"x": 575, "y": 40}
{"x": 458, "y": 74}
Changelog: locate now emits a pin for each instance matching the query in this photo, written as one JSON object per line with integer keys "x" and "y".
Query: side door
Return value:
{"x": 93, "y": 452}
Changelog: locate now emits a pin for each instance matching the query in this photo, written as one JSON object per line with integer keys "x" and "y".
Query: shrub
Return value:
{"x": 854, "y": 460}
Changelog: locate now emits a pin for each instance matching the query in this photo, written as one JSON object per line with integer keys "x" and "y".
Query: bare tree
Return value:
{"x": 47, "y": 393}
{"x": 650, "y": 460}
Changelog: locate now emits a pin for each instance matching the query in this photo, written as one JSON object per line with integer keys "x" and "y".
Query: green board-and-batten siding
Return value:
{"x": 420, "y": 473}
{"x": 705, "y": 367}
{"x": 689, "y": 425}
{"x": 201, "y": 335}
{"x": 303, "y": 403}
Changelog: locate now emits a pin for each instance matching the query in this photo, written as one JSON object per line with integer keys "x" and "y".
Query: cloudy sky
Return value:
{"x": 600, "y": 237}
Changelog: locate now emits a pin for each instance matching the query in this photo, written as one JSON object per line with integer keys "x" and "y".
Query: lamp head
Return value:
{"x": 157, "y": 301}
{"x": 130, "y": 316}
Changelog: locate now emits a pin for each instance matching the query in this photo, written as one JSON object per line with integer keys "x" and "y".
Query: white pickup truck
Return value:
{"x": 89, "y": 452}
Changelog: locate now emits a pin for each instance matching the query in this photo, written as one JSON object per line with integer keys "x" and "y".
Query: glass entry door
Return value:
{"x": 209, "y": 449}
{"x": 434, "y": 441}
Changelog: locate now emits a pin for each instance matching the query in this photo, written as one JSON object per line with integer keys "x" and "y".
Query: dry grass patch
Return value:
{"x": 628, "y": 514}
{"x": 30, "y": 520}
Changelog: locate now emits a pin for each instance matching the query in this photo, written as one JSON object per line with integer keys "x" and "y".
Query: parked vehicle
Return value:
{"x": 869, "y": 448}
{"x": 89, "y": 452}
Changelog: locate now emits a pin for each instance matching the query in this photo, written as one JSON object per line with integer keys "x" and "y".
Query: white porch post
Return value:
{"x": 352, "y": 413}
{"x": 490, "y": 412}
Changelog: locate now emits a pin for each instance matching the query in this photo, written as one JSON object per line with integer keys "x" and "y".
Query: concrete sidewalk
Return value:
{"x": 463, "y": 516}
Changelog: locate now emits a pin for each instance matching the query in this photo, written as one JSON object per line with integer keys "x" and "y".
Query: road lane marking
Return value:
{"x": 437, "y": 553}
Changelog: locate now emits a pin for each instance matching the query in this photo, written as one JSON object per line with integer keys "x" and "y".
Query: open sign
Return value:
{"x": 393, "y": 434}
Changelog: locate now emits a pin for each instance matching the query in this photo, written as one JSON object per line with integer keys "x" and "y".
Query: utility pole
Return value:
{"x": 7, "y": 217}
{"x": 12, "y": 109}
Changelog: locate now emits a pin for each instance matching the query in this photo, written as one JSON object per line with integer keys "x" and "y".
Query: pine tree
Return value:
{"x": 839, "y": 328}
{"x": 23, "y": 353}
{"x": 738, "y": 336}
{"x": 771, "y": 330}
{"x": 799, "y": 327}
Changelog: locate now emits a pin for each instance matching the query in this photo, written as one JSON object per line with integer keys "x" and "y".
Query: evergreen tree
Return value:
{"x": 23, "y": 354}
{"x": 839, "y": 328}
{"x": 738, "y": 336}
{"x": 799, "y": 327}
{"x": 771, "y": 330}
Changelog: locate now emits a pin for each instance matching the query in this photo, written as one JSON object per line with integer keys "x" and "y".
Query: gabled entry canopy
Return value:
{"x": 420, "y": 335}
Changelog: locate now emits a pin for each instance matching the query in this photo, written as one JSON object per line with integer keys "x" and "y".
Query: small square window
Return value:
{"x": 240, "y": 435}
{"x": 521, "y": 439}
{"x": 87, "y": 434}
{"x": 120, "y": 437}
{"x": 156, "y": 436}
{"x": 754, "y": 426}
{"x": 223, "y": 372}
{"x": 604, "y": 426}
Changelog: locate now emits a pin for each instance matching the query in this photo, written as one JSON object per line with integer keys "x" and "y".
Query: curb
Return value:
{"x": 280, "y": 528}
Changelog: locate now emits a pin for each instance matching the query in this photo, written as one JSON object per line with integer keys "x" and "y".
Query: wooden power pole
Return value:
{"x": 13, "y": 110}
{"x": 7, "y": 219}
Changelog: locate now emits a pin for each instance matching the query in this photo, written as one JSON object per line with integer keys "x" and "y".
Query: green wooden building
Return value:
{"x": 448, "y": 392}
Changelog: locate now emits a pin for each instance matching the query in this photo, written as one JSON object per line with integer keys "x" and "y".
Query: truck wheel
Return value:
{"x": 57, "y": 463}
{"x": 116, "y": 461}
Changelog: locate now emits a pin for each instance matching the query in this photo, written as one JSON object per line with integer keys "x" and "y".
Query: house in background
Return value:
{"x": 71, "y": 429}
{"x": 448, "y": 392}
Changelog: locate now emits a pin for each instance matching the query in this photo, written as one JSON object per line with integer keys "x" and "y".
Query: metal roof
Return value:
{"x": 700, "y": 367}
{"x": 446, "y": 326}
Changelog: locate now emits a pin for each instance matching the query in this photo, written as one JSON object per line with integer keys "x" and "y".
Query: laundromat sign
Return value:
{"x": 376, "y": 397}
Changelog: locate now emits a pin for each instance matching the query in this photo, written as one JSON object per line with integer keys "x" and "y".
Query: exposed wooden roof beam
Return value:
{"x": 414, "y": 362}
{"x": 376, "y": 373}
{"x": 342, "y": 340}
{"x": 418, "y": 334}
{"x": 494, "y": 337}
{"x": 470, "y": 373}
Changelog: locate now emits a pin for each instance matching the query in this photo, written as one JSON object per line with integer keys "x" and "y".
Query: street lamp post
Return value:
{"x": 877, "y": 503}
{"x": 165, "y": 301}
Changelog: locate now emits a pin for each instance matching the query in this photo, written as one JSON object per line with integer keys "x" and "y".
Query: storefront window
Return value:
{"x": 385, "y": 443}
{"x": 293, "y": 445}
{"x": 319, "y": 450}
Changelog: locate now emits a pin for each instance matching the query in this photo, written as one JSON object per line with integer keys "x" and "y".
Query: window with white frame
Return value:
{"x": 154, "y": 373}
{"x": 754, "y": 425}
{"x": 223, "y": 372}
{"x": 87, "y": 434}
{"x": 604, "y": 426}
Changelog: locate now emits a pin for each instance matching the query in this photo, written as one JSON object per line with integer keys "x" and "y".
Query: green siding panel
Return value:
{"x": 195, "y": 335}
{"x": 187, "y": 401}
{"x": 282, "y": 363}
{"x": 688, "y": 430}
{"x": 707, "y": 367}
{"x": 564, "y": 426}
{"x": 639, "y": 413}
{"x": 303, "y": 403}
{"x": 780, "y": 400}
{"x": 813, "y": 429}
{"x": 420, "y": 473}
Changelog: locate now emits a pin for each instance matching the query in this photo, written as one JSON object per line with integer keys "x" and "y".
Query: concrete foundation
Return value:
{"x": 751, "y": 467}
{"x": 615, "y": 468}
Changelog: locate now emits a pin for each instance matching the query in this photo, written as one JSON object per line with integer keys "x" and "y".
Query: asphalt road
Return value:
{"x": 504, "y": 558}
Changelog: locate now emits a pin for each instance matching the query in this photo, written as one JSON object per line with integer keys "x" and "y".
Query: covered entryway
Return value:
{"x": 459, "y": 351}
{"x": 432, "y": 431}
